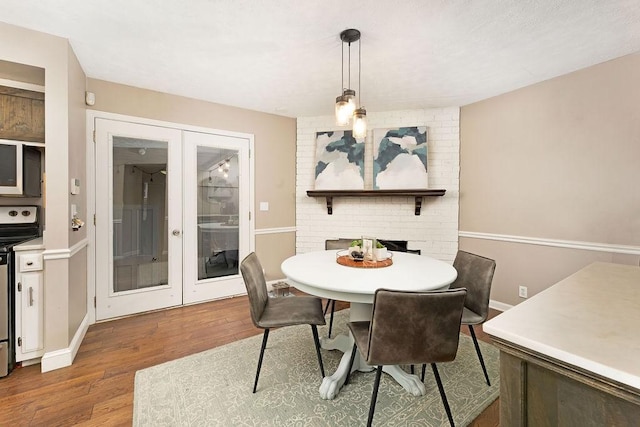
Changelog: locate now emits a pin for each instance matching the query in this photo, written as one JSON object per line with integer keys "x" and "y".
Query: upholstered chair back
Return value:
{"x": 336, "y": 244}
{"x": 256, "y": 285}
{"x": 415, "y": 327}
{"x": 475, "y": 273}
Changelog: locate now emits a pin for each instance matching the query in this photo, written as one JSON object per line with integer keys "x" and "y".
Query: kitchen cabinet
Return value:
{"x": 21, "y": 114}
{"x": 29, "y": 303}
{"x": 569, "y": 355}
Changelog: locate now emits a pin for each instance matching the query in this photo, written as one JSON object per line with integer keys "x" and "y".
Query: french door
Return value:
{"x": 169, "y": 228}
{"x": 216, "y": 213}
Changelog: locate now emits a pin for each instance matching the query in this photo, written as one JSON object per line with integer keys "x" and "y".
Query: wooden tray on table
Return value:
{"x": 348, "y": 261}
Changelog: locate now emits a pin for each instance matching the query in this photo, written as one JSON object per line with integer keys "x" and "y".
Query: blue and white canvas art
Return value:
{"x": 339, "y": 161}
{"x": 400, "y": 158}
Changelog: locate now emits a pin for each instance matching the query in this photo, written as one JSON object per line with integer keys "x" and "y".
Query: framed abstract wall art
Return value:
{"x": 400, "y": 158}
{"x": 339, "y": 162}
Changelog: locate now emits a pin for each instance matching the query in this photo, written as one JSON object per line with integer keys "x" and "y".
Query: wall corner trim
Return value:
{"x": 568, "y": 244}
{"x": 277, "y": 230}
{"x": 65, "y": 253}
{"x": 64, "y": 357}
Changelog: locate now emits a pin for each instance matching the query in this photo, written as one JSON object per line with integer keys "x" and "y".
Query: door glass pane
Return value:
{"x": 140, "y": 235}
{"x": 217, "y": 211}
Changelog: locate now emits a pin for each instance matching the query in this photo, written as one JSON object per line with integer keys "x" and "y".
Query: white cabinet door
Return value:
{"x": 31, "y": 316}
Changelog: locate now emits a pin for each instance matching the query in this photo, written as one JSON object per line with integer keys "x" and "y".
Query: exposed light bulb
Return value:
{"x": 350, "y": 95}
{"x": 342, "y": 111}
{"x": 360, "y": 123}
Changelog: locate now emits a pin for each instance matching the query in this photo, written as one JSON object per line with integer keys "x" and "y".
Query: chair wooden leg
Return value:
{"x": 424, "y": 369}
{"x": 412, "y": 369}
{"x": 316, "y": 340}
{"x": 333, "y": 307}
{"x": 374, "y": 396}
{"x": 475, "y": 343}
{"x": 442, "y": 394}
{"x": 265, "y": 337}
{"x": 353, "y": 357}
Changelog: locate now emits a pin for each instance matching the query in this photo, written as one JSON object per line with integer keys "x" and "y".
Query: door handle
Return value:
{"x": 176, "y": 233}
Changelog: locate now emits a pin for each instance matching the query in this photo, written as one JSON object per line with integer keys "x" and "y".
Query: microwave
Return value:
{"x": 20, "y": 169}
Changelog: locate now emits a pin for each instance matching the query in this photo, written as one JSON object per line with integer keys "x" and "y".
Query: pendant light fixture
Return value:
{"x": 346, "y": 107}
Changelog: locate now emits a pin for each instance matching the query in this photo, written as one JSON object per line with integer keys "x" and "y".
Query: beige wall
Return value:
{"x": 77, "y": 290}
{"x": 77, "y": 155}
{"x": 272, "y": 249}
{"x": 21, "y": 73}
{"x": 555, "y": 160}
{"x": 274, "y": 144}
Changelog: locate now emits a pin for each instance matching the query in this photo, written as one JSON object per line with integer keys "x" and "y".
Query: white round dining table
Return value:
{"x": 318, "y": 273}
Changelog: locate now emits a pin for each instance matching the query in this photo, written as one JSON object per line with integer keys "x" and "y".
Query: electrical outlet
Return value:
{"x": 522, "y": 292}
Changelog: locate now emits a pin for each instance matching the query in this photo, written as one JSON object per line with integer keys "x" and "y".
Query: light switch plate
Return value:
{"x": 75, "y": 186}
{"x": 264, "y": 206}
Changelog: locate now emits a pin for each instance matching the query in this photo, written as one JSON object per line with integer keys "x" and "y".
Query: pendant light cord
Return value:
{"x": 349, "y": 74}
{"x": 342, "y": 70}
{"x": 359, "y": 78}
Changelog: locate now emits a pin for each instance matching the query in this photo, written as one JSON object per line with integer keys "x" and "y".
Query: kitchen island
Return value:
{"x": 570, "y": 355}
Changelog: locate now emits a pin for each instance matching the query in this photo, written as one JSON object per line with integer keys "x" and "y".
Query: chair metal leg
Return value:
{"x": 475, "y": 343}
{"x": 424, "y": 369}
{"x": 333, "y": 307}
{"x": 353, "y": 357}
{"x": 442, "y": 394}
{"x": 265, "y": 337}
{"x": 316, "y": 340}
{"x": 374, "y": 396}
{"x": 326, "y": 307}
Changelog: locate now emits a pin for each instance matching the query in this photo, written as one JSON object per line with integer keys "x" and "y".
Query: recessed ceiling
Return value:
{"x": 283, "y": 56}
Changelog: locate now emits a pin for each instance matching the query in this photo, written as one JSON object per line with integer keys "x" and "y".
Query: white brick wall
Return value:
{"x": 434, "y": 231}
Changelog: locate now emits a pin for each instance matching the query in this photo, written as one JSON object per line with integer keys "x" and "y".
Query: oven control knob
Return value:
{"x": 13, "y": 213}
{"x": 26, "y": 213}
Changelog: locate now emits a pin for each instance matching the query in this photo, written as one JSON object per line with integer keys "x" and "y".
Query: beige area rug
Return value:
{"x": 213, "y": 388}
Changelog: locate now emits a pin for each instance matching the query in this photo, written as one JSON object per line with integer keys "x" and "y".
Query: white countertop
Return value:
{"x": 31, "y": 245}
{"x": 590, "y": 320}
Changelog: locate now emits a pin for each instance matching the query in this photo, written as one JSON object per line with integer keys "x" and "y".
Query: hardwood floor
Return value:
{"x": 98, "y": 388}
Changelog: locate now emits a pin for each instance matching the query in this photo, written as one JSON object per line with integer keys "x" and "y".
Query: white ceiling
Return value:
{"x": 283, "y": 56}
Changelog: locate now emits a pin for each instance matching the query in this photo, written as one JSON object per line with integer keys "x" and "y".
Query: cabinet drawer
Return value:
{"x": 30, "y": 262}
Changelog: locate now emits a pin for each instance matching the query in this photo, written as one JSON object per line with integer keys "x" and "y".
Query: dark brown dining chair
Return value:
{"x": 267, "y": 313}
{"x": 334, "y": 244}
{"x": 475, "y": 274}
{"x": 409, "y": 328}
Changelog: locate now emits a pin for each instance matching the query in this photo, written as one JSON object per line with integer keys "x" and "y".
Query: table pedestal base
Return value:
{"x": 332, "y": 384}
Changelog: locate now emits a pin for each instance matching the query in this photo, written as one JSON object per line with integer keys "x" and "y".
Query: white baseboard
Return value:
{"x": 500, "y": 306}
{"x": 64, "y": 357}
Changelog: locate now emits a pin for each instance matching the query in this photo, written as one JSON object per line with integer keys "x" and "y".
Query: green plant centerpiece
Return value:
{"x": 358, "y": 243}
{"x": 355, "y": 250}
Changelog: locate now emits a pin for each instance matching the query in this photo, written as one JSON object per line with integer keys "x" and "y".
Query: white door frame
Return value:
{"x": 91, "y": 182}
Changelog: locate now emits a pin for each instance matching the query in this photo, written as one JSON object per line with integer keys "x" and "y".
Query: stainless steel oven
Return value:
{"x": 7, "y": 357}
{"x": 18, "y": 224}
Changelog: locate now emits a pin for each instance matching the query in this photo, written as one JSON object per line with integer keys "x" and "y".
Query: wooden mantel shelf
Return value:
{"x": 418, "y": 194}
